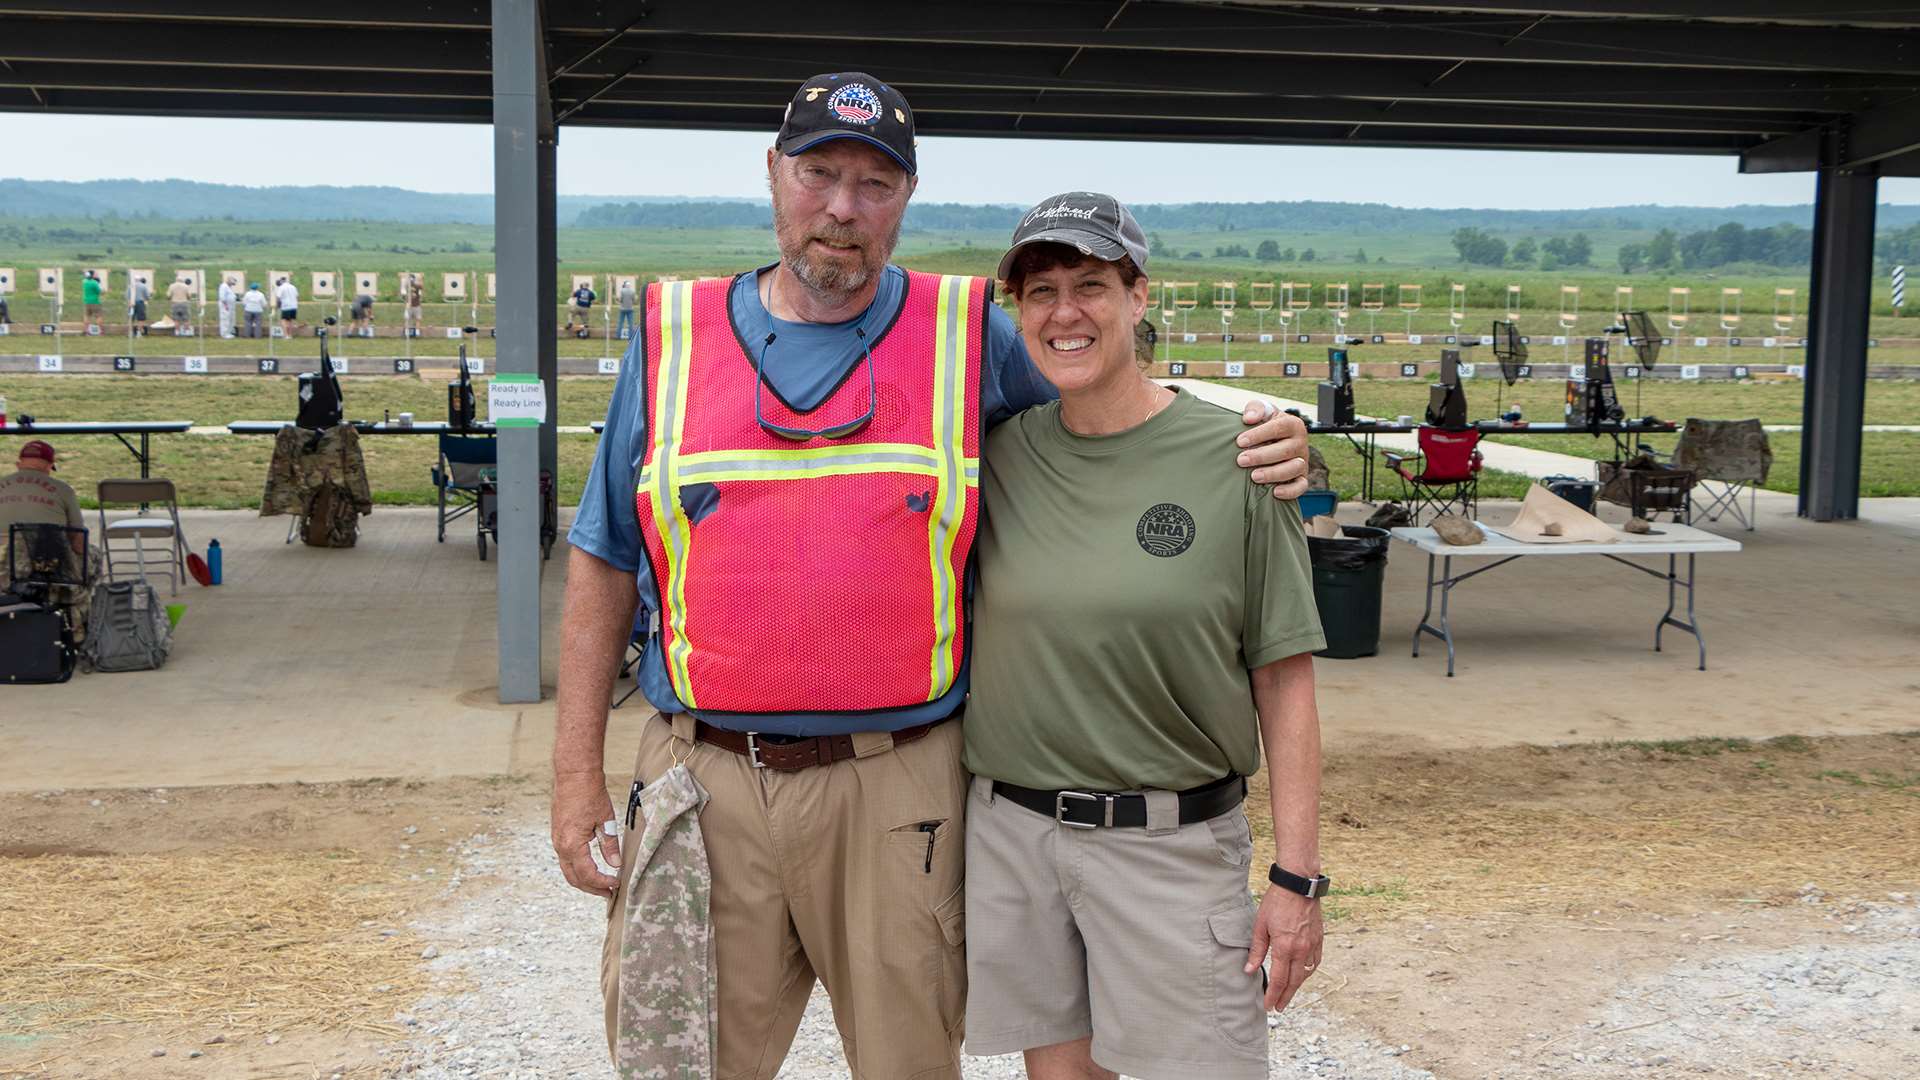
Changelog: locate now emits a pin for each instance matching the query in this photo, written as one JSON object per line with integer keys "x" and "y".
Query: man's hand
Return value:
{"x": 580, "y": 805}
{"x": 1276, "y": 449}
{"x": 1288, "y": 925}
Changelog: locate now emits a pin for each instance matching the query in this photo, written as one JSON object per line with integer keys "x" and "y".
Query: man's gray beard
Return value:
{"x": 828, "y": 282}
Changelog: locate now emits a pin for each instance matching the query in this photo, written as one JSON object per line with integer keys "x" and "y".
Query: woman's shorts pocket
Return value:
{"x": 1238, "y": 1012}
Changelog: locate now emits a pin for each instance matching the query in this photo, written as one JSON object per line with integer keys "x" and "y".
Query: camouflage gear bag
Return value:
{"x": 666, "y": 1013}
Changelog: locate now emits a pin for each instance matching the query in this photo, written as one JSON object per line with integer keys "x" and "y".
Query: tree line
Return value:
{"x": 1703, "y": 249}
{"x": 1901, "y": 247}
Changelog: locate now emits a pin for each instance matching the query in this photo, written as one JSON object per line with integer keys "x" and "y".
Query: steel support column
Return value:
{"x": 523, "y": 162}
{"x": 1835, "y": 400}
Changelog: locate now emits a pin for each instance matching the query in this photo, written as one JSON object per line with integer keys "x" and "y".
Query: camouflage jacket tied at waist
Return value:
{"x": 666, "y": 1016}
{"x": 305, "y": 461}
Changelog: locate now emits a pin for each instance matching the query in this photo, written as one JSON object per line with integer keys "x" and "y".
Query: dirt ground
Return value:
{"x": 1644, "y": 909}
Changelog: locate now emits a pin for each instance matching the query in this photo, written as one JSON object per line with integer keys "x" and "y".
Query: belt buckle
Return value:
{"x": 1060, "y": 808}
{"x": 753, "y": 752}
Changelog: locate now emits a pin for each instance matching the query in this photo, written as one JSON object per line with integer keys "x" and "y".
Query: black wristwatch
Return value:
{"x": 1313, "y": 888}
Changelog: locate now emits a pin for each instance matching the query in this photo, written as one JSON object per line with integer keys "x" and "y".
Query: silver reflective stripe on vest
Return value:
{"x": 949, "y": 409}
{"x": 676, "y": 350}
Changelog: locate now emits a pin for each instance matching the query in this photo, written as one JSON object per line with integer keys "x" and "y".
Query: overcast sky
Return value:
{"x": 628, "y": 161}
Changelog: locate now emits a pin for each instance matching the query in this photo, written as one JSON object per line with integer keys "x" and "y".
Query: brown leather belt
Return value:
{"x": 799, "y": 754}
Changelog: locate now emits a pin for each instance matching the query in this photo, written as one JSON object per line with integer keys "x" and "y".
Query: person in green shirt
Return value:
{"x": 90, "y": 297}
{"x": 1143, "y": 628}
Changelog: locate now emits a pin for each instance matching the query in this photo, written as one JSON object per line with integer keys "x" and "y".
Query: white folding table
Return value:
{"x": 1673, "y": 541}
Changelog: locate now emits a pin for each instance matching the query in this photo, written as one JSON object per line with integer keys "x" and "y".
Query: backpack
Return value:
{"x": 127, "y": 628}
{"x": 329, "y": 519}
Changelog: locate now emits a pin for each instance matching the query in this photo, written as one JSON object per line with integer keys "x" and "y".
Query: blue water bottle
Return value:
{"x": 213, "y": 561}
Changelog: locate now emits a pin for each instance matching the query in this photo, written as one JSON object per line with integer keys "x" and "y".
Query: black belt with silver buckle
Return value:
{"x": 1098, "y": 809}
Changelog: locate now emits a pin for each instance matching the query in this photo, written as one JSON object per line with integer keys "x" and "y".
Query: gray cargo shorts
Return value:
{"x": 1137, "y": 937}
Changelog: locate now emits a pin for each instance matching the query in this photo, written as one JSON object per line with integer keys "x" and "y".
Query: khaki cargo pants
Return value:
{"x": 850, "y": 873}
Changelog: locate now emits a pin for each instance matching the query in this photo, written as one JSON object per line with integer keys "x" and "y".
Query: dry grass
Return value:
{"x": 1577, "y": 828}
{"x": 239, "y": 943}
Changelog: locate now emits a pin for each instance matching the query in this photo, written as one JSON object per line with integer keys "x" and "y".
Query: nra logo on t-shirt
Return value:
{"x": 1165, "y": 530}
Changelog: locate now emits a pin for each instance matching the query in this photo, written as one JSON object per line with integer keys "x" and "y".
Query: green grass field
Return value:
{"x": 388, "y": 248}
{"x": 227, "y": 471}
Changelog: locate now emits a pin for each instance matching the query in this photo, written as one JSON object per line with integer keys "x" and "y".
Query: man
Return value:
{"x": 820, "y": 678}
{"x": 226, "y": 299}
{"x": 414, "y": 296}
{"x": 138, "y": 313}
{"x": 180, "y": 297}
{"x": 363, "y": 315}
{"x": 32, "y": 495}
{"x": 287, "y": 299}
{"x": 625, "y": 329}
{"x": 581, "y": 308}
{"x": 254, "y": 306}
{"x": 90, "y": 297}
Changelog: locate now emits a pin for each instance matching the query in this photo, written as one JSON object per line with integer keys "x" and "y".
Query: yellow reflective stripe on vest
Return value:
{"x": 714, "y": 466}
{"x": 669, "y": 517}
{"x": 953, "y": 317}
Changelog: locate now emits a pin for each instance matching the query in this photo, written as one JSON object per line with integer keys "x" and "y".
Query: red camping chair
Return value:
{"x": 1450, "y": 473}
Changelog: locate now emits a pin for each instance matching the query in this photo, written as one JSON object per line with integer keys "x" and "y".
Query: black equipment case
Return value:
{"x": 34, "y": 644}
{"x": 320, "y": 404}
{"x": 460, "y": 411}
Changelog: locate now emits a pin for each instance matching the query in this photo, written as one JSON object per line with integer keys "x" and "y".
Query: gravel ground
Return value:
{"x": 1810, "y": 1010}
{"x": 526, "y": 950}
{"x": 521, "y": 954}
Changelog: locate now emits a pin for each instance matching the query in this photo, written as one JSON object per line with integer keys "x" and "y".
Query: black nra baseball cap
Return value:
{"x": 1093, "y": 223}
{"x": 849, "y": 105}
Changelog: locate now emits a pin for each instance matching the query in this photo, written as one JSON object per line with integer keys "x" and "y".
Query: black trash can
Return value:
{"x": 1347, "y": 577}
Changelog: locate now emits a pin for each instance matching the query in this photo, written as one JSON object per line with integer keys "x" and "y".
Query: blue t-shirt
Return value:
{"x": 803, "y": 366}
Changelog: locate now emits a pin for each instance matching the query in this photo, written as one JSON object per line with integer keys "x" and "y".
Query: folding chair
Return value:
{"x": 1729, "y": 458}
{"x": 142, "y": 527}
{"x": 643, "y": 626}
{"x": 1449, "y": 477}
{"x": 456, "y": 478}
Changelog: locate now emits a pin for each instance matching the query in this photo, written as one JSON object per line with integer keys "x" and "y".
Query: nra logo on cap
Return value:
{"x": 855, "y": 104}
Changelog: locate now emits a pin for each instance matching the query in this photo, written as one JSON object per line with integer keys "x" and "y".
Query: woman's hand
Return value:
{"x": 1288, "y": 926}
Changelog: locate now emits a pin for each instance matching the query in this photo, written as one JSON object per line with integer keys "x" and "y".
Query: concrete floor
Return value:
{"x": 306, "y": 664}
{"x": 314, "y": 665}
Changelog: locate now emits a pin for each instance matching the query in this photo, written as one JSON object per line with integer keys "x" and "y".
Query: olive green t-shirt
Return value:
{"x": 1128, "y": 583}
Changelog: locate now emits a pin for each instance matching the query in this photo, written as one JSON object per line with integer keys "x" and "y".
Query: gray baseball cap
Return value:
{"x": 1088, "y": 221}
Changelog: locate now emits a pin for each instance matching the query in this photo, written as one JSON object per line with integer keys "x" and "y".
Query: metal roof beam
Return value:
{"x": 1878, "y": 134}
{"x": 344, "y": 14}
{"x": 971, "y": 66}
{"x": 915, "y": 68}
{"x": 933, "y": 106}
{"x": 565, "y": 16}
{"x": 1270, "y": 31}
{"x": 1888, "y": 136}
{"x": 276, "y": 48}
{"x": 765, "y": 119}
{"x": 1892, "y": 13}
{"x": 231, "y": 80}
{"x": 250, "y": 104}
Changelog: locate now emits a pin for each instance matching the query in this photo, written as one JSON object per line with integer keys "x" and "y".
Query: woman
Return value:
{"x": 1143, "y": 626}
